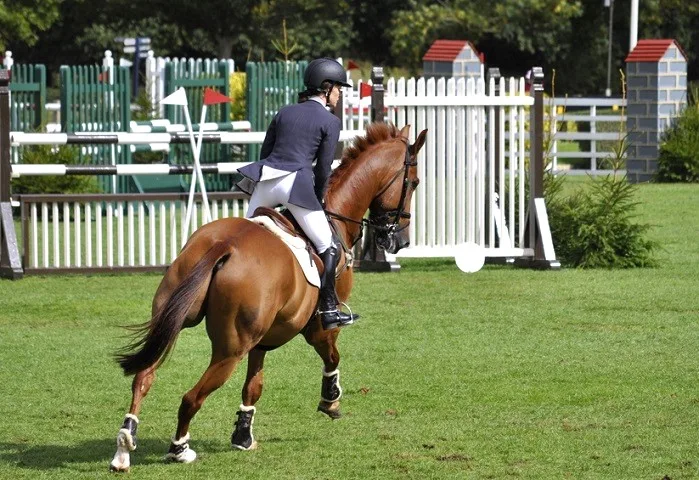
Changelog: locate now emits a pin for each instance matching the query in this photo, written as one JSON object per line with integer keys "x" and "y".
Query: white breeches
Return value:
{"x": 275, "y": 191}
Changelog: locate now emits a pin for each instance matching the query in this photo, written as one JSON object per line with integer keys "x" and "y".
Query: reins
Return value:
{"x": 382, "y": 222}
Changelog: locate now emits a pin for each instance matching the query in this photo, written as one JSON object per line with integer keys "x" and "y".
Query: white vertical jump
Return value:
{"x": 501, "y": 167}
{"x": 522, "y": 175}
{"x": 77, "y": 220}
{"x": 66, "y": 235}
{"x": 441, "y": 167}
{"x": 491, "y": 166}
{"x": 410, "y": 119}
{"x": 482, "y": 120}
{"x": 451, "y": 134}
{"x": 110, "y": 234}
{"x": 88, "y": 234}
{"x": 130, "y": 239}
{"x": 120, "y": 233}
{"x": 99, "y": 246}
{"x": 470, "y": 168}
{"x": 512, "y": 162}
{"x": 461, "y": 141}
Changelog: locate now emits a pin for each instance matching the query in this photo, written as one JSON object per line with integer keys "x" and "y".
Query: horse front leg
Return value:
{"x": 126, "y": 438}
{"x": 242, "y": 437}
{"x": 325, "y": 343}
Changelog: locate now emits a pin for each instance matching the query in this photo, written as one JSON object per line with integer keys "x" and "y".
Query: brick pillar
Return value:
{"x": 656, "y": 94}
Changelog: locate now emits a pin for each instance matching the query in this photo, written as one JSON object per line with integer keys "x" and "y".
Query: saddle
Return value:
{"x": 288, "y": 225}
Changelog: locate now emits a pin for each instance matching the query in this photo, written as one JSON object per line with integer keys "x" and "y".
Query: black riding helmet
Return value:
{"x": 322, "y": 69}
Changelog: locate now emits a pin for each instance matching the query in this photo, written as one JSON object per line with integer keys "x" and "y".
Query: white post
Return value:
{"x": 633, "y": 29}
{"x": 151, "y": 69}
{"x": 8, "y": 61}
{"x": 108, "y": 64}
{"x": 593, "y": 142}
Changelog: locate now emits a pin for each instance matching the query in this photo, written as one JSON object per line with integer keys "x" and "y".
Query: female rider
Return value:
{"x": 298, "y": 135}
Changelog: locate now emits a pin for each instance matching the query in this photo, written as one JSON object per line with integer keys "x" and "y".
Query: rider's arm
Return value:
{"x": 325, "y": 157}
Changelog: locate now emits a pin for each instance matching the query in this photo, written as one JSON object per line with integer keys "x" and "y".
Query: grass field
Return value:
{"x": 503, "y": 373}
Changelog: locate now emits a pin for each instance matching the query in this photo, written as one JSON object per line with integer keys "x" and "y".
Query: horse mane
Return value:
{"x": 376, "y": 133}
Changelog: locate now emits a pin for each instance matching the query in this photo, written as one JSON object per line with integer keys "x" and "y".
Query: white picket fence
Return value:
{"x": 471, "y": 189}
{"x": 98, "y": 232}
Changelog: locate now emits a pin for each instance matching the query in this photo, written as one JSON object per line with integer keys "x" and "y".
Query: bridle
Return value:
{"x": 386, "y": 223}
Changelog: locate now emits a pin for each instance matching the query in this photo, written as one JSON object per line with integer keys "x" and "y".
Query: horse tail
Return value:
{"x": 159, "y": 334}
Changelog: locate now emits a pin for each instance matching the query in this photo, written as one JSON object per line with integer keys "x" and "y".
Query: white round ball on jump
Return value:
{"x": 470, "y": 257}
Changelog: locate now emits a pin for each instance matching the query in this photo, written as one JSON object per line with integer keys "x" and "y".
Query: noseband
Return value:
{"x": 386, "y": 223}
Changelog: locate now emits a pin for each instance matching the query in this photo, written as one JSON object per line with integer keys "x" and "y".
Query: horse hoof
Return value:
{"x": 180, "y": 452}
{"x": 122, "y": 459}
{"x": 185, "y": 456}
{"x": 118, "y": 469}
{"x": 332, "y": 410}
{"x": 120, "y": 463}
{"x": 251, "y": 446}
{"x": 242, "y": 438}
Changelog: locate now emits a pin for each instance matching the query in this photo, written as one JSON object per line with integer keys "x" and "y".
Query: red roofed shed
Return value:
{"x": 652, "y": 50}
{"x": 452, "y": 58}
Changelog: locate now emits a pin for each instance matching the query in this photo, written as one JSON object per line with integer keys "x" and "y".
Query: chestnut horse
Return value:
{"x": 253, "y": 293}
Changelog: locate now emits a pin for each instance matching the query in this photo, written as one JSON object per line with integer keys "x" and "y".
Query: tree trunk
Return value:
{"x": 225, "y": 47}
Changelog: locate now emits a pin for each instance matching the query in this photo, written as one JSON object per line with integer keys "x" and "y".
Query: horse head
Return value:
{"x": 378, "y": 173}
{"x": 390, "y": 208}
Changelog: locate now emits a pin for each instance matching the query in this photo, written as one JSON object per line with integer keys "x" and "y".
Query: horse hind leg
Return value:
{"x": 126, "y": 438}
{"x": 219, "y": 370}
{"x": 242, "y": 437}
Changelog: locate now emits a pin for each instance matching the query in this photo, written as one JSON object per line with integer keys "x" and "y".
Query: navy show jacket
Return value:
{"x": 298, "y": 135}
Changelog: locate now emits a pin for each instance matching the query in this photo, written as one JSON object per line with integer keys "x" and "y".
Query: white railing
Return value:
{"x": 563, "y": 109}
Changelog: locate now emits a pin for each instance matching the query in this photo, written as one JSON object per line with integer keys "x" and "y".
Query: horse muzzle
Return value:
{"x": 392, "y": 243}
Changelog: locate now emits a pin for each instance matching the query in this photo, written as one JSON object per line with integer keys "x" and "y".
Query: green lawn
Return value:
{"x": 502, "y": 373}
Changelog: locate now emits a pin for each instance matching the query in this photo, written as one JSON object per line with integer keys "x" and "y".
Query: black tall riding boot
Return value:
{"x": 330, "y": 316}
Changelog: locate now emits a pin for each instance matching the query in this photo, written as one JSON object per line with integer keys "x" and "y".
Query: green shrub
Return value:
{"x": 594, "y": 228}
{"x": 238, "y": 84}
{"x": 679, "y": 149}
{"x": 68, "y": 155}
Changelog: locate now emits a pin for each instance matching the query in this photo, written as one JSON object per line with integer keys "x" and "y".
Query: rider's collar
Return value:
{"x": 319, "y": 99}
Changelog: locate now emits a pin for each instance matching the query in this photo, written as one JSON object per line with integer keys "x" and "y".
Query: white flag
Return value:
{"x": 179, "y": 97}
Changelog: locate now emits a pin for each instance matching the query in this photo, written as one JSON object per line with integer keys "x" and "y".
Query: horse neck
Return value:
{"x": 352, "y": 195}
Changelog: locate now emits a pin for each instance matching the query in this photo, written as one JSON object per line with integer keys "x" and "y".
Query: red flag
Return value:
{"x": 212, "y": 97}
{"x": 351, "y": 65}
{"x": 364, "y": 90}
{"x": 103, "y": 77}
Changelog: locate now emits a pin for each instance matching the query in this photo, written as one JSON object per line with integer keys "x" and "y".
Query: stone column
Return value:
{"x": 656, "y": 93}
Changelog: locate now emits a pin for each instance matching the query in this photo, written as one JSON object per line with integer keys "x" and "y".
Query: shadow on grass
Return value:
{"x": 50, "y": 457}
{"x": 150, "y": 452}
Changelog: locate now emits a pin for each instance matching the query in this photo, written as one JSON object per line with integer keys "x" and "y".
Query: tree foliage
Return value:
{"x": 22, "y": 20}
{"x": 568, "y": 35}
{"x": 526, "y": 26}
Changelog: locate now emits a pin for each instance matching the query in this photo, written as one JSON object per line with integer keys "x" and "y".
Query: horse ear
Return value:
{"x": 405, "y": 132}
{"x": 419, "y": 142}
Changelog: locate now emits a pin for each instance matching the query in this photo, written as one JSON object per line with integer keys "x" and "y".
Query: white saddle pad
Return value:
{"x": 297, "y": 246}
